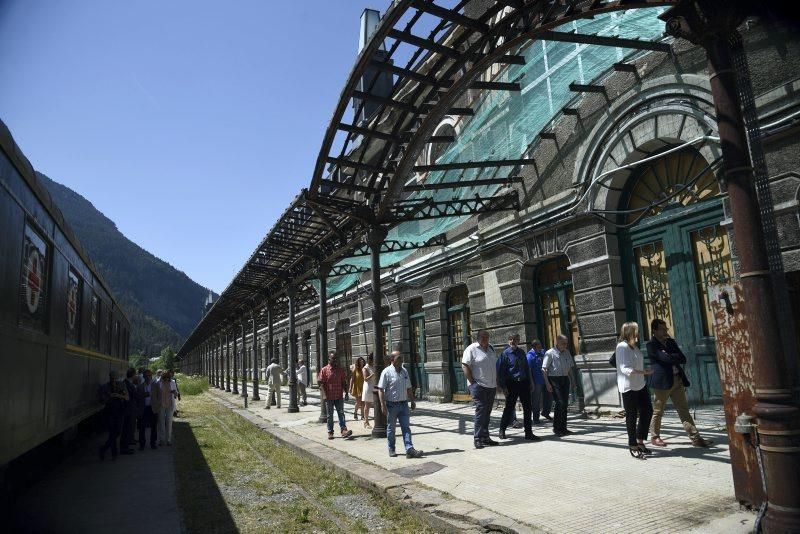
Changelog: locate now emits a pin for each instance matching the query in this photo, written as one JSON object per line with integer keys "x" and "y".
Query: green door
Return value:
{"x": 459, "y": 334}
{"x": 416, "y": 364}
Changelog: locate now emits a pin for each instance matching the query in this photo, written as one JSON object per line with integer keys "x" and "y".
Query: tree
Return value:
{"x": 139, "y": 360}
{"x": 168, "y": 357}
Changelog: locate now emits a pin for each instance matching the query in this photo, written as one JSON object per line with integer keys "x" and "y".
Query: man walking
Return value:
{"x": 302, "y": 380}
{"x": 394, "y": 391}
{"x": 515, "y": 378}
{"x": 147, "y": 416}
{"x": 556, "y": 367}
{"x": 669, "y": 382}
{"x": 541, "y": 400}
{"x": 129, "y": 417}
{"x": 113, "y": 395}
{"x": 274, "y": 381}
{"x": 333, "y": 381}
{"x": 479, "y": 363}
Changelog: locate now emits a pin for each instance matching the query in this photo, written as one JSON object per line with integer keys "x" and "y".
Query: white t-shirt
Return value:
{"x": 482, "y": 363}
{"x": 629, "y": 360}
{"x": 302, "y": 376}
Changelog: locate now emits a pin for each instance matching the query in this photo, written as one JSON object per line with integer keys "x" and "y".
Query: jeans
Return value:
{"x": 678, "y": 396}
{"x": 398, "y": 411}
{"x": 339, "y": 405}
{"x": 637, "y": 403}
{"x": 483, "y": 399}
{"x": 521, "y": 391}
{"x": 541, "y": 401}
{"x": 148, "y": 419}
{"x": 560, "y": 386}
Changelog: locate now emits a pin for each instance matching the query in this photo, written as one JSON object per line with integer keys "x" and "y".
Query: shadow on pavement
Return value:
{"x": 199, "y": 497}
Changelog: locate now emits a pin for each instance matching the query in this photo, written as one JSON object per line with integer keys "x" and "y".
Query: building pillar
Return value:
{"x": 375, "y": 239}
{"x": 244, "y": 357}
{"x": 219, "y": 361}
{"x": 256, "y": 362}
{"x": 322, "y": 274}
{"x": 713, "y": 24}
{"x": 291, "y": 292}
{"x": 227, "y": 363}
{"x": 271, "y": 346}
{"x": 235, "y": 358}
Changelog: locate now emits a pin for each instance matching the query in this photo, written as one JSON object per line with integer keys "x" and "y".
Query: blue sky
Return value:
{"x": 191, "y": 124}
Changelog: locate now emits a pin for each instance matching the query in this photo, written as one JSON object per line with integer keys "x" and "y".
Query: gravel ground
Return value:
{"x": 357, "y": 507}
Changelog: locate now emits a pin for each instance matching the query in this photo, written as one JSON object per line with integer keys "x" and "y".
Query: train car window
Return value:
{"x": 74, "y": 307}
{"x": 33, "y": 294}
{"x": 107, "y": 331}
{"x": 94, "y": 323}
{"x": 115, "y": 346}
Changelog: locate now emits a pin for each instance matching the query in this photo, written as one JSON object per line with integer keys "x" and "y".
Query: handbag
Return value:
{"x": 612, "y": 361}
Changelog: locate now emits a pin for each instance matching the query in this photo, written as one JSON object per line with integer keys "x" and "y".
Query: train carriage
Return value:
{"x": 61, "y": 330}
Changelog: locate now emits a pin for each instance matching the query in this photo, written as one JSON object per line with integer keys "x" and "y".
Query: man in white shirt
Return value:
{"x": 394, "y": 391}
{"x": 302, "y": 382}
{"x": 274, "y": 381}
{"x": 479, "y": 363}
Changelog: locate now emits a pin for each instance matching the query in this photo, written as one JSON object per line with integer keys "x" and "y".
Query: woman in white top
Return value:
{"x": 366, "y": 392}
{"x": 632, "y": 384}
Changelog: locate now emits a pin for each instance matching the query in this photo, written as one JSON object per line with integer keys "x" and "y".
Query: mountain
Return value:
{"x": 162, "y": 303}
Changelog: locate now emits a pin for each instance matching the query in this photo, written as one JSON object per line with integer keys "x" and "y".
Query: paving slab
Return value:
{"x": 586, "y": 482}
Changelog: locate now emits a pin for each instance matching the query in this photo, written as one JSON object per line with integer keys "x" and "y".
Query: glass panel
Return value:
{"x": 33, "y": 283}
{"x": 572, "y": 322}
{"x": 653, "y": 285}
{"x": 74, "y": 293}
{"x": 386, "y": 332}
{"x": 457, "y": 334}
{"x": 712, "y": 266}
{"x": 551, "y": 318}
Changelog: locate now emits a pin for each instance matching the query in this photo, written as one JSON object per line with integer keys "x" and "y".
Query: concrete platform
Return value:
{"x": 586, "y": 482}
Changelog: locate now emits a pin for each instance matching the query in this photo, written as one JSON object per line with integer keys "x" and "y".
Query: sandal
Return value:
{"x": 636, "y": 452}
{"x": 644, "y": 449}
{"x": 367, "y": 425}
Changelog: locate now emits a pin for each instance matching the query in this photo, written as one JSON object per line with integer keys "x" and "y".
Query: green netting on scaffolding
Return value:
{"x": 506, "y": 122}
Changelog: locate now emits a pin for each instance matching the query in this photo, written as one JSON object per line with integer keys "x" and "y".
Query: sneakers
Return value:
{"x": 392, "y": 454}
{"x": 533, "y": 437}
{"x": 501, "y": 434}
{"x": 413, "y": 453}
{"x": 478, "y": 444}
{"x": 346, "y": 433}
{"x": 489, "y": 441}
{"x": 549, "y": 418}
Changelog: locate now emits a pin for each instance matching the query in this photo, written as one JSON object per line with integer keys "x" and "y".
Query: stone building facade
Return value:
{"x": 582, "y": 265}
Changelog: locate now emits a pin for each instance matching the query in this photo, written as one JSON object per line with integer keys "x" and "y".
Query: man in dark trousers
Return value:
{"x": 669, "y": 382}
{"x": 113, "y": 395}
{"x": 516, "y": 380}
{"x": 147, "y": 415}
{"x": 129, "y": 418}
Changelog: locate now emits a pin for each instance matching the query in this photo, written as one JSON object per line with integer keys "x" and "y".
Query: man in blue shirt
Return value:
{"x": 541, "y": 401}
{"x": 516, "y": 380}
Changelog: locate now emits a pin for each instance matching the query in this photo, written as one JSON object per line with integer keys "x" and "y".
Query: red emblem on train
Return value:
{"x": 33, "y": 281}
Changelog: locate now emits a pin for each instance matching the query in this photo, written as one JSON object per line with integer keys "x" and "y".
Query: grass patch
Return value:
{"x": 191, "y": 384}
{"x": 232, "y": 476}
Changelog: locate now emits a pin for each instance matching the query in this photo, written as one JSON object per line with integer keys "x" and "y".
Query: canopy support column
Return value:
{"x": 324, "y": 269}
{"x": 227, "y": 363}
{"x": 291, "y": 292}
{"x": 256, "y": 362}
{"x": 375, "y": 238}
{"x": 244, "y": 358}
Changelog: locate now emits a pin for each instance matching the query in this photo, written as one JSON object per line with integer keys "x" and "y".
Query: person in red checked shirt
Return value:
{"x": 333, "y": 381}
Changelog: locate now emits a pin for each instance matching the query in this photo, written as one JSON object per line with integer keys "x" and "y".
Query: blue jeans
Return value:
{"x": 339, "y": 405}
{"x": 398, "y": 411}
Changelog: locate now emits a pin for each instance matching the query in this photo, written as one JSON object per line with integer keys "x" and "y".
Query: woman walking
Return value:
{"x": 369, "y": 383}
{"x": 632, "y": 384}
{"x": 357, "y": 386}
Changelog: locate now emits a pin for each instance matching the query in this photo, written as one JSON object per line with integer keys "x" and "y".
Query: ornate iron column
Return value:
{"x": 244, "y": 358}
{"x": 322, "y": 273}
{"x": 291, "y": 292}
{"x": 713, "y": 24}
{"x": 375, "y": 238}
{"x": 227, "y": 363}
{"x": 219, "y": 362}
{"x": 272, "y": 401}
{"x": 256, "y": 363}
{"x": 235, "y": 360}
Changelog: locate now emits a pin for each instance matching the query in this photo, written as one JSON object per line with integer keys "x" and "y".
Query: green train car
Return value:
{"x": 61, "y": 330}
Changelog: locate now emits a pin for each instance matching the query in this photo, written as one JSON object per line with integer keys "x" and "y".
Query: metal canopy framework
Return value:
{"x": 369, "y": 175}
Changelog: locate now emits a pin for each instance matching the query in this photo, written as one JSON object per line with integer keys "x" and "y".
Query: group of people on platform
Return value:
{"x": 532, "y": 376}
{"x": 140, "y": 400}
{"x": 538, "y": 379}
